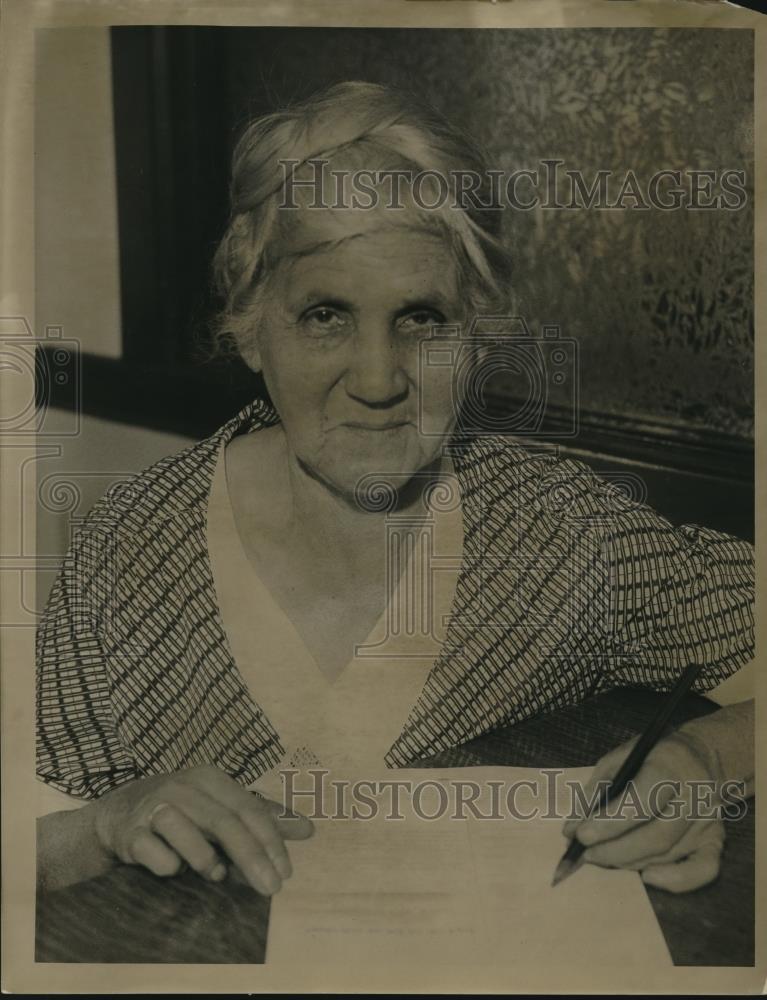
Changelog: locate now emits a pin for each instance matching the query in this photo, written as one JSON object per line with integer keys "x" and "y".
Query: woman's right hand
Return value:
{"x": 203, "y": 818}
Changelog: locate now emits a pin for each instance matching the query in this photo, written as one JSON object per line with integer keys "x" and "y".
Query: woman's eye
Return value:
{"x": 422, "y": 321}
{"x": 324, "y": 319}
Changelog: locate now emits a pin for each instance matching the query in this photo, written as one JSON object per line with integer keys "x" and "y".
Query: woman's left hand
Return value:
{"x": 656, "y": 830}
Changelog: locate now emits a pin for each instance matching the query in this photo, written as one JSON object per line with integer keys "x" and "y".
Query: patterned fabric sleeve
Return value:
{"x": 78, "y": 747}
{"x": 678, "y": 596}
{"x": 661, "y": 596}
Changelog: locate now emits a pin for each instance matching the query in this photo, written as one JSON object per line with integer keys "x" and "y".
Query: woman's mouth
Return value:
{"x": 391, "y": 425}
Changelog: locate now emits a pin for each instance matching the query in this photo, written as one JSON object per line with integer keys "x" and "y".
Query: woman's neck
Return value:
{"x": 281, "y": 500}
{"x": 327, "y": 517}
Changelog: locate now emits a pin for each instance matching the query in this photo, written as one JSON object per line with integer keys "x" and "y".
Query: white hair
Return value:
{"x": 362, "y": 123}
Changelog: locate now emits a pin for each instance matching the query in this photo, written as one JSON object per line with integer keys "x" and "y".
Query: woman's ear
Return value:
{"x": 248, "y": 343}
{"x": 251, "y": 355}
{"x": 252, "y": 329}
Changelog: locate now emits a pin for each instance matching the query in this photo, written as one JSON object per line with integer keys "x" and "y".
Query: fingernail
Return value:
{"x": 270, "y": 880}
{"x": 283, "y": 867}
{"x": 218, "y": 872}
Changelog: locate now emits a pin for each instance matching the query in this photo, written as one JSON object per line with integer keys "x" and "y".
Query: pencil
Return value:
{"x": 572, "y": 858}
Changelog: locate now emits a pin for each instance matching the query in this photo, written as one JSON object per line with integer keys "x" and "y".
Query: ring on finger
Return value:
{"x": 155, "y": 810}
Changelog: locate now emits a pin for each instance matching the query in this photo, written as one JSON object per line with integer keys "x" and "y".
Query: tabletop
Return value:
{"x": 130, "y": 915}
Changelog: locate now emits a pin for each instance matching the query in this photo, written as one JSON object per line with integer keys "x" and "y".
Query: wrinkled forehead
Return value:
{"x": 354, "y": 196}
{"x": 308, "y": 232}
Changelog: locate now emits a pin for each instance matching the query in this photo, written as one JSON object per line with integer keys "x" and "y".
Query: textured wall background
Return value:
{"x": 660, "y": 302}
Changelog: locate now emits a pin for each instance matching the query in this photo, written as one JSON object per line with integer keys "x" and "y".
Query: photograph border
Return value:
{"x": 20, "y": 20}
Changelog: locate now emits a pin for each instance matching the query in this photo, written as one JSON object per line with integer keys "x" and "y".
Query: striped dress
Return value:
{"x": 566, "y": 587}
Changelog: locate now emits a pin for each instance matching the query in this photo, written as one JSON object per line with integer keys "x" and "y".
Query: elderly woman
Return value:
{"x": 235, "y": 607}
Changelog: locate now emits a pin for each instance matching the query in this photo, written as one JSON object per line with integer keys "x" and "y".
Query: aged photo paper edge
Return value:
{"x": 20, "y": 973}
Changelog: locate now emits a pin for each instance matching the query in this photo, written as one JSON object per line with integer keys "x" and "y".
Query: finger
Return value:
{"x": 263, "y": 826}
{"x": 292, "y": 825}
{"x": 214, "y": 801}
{"x": 149, "y": 850}
{"x": 648, "y": 840}
{"x": 604, "y": 770}
{"x": 180, "y": 833}
{"x": 697, "y": 870}
{"x": 252, "y": 812}
{"x": 659, "y": 842}
{"x": 646, "y": 797}
{"x": 696, "y": 837}
{"x": 245, "y": 850}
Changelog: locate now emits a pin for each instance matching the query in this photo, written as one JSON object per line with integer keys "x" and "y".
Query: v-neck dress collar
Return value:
{"x": 353, "y": 721}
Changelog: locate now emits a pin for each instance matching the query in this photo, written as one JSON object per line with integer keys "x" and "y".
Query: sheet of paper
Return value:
{"x": 457, "y": 890}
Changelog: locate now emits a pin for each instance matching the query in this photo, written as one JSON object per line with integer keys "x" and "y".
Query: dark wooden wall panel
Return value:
{"x": 180, "y": 96}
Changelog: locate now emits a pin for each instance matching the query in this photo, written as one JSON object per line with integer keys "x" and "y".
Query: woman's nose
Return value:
{"x": 376, "y": 376}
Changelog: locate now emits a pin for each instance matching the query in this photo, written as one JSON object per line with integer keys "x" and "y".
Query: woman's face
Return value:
{"x": 338, "y": 344}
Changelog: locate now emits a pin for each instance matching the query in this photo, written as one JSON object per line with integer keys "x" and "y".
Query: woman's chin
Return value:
{"x": 374, "y": 482}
